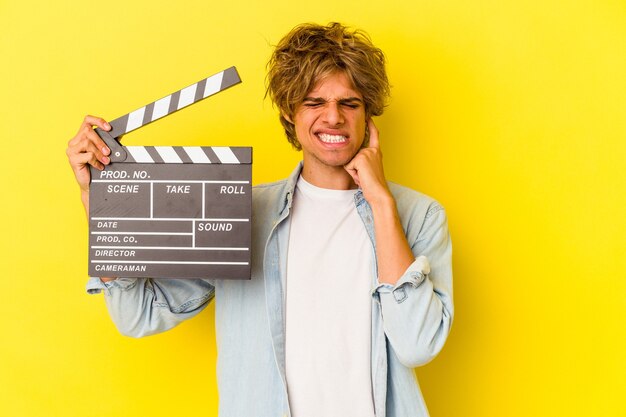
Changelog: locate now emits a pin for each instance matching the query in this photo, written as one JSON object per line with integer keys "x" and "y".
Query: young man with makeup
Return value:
{"x": 351, "y": 275}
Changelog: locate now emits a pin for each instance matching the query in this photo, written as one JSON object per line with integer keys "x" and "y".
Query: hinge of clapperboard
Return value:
{"x": 164, "y": 107}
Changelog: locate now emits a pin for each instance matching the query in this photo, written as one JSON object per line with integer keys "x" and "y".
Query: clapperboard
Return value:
{"x": 171, "y": 211}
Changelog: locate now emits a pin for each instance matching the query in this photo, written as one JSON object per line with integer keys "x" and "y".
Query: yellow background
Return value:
{"x": 512, "y": 114}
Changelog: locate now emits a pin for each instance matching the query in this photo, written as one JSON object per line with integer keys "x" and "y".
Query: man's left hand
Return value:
{"x": 366, "y": 169}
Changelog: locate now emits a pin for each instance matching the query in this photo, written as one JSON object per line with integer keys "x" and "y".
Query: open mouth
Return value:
{"x": 327, "y": 138}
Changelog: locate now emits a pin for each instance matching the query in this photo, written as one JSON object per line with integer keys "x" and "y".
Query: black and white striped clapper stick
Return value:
{"x": 164, "y": 107}
{"x": 171, "y": 211}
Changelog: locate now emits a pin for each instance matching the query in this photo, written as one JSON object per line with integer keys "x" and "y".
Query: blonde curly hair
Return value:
{"x": 311, "y": 52}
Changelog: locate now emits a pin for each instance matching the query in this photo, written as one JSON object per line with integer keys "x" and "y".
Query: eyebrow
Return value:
{"x": 320, "y": 100}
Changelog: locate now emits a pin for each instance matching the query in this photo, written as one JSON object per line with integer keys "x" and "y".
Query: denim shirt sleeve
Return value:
{"x": 417, "y": 311}
{"x": 144, "y": 306}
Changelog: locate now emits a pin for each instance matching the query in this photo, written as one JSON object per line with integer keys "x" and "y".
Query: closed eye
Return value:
{"x": 349, "y": 102}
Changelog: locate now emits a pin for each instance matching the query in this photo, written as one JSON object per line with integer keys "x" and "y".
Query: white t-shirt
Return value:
{"x": 328, "y": 306}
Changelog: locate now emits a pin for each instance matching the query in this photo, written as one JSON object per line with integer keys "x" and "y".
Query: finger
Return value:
{"x": 89, "y": 146}
{"x": 374, "y": 142}
{"x": 97, "y": 121}
{"x": 81, "y": 160}
{"x": 354, "y": 174}
{"x": 352, "y": 168}
{"x": 85, "y": 136}
{"x": 87, "y": 127}
{"x": 97, "y": 141}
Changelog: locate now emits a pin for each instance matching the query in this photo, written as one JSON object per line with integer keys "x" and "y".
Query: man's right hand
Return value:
{"x": 86, "y": 148}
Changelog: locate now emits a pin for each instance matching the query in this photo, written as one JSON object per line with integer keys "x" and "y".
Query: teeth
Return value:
{"x": 326, "y": 138}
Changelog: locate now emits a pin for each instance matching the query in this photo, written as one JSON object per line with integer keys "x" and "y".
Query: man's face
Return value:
{"x": 330, "y": 123}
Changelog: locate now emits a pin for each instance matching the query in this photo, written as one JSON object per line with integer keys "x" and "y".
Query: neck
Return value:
{"x": 332, "y": 178}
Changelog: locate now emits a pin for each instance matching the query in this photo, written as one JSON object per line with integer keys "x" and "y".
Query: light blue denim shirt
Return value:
{"x": 410, "y": 321}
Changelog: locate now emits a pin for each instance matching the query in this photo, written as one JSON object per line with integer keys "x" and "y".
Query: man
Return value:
{"x": 351, "y": 276}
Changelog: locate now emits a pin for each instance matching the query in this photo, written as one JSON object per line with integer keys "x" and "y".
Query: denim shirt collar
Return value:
{"x": 289, "y": 190}
{"x": 290, "y": 187}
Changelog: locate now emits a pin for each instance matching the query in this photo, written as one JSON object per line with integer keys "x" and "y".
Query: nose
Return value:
{"x": 333, "y": 114}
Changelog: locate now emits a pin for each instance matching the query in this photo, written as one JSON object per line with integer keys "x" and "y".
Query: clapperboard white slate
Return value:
{"x": 171, "y": 211}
